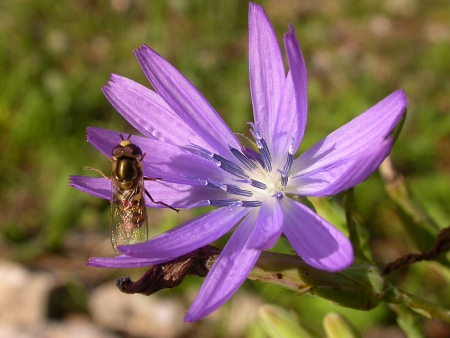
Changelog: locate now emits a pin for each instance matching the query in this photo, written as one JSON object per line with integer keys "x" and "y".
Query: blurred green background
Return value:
{"x": 56, "y": 55}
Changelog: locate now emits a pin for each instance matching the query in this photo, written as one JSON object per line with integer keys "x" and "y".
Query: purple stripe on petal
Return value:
{"x": 228, "y": 272}
{"x": 188, "y": 103}
{"x": 267, "y": 74}
{"x": 124, "y": 261}
{"x": 315, "y": 240}
{"x": 341, "y": 175}
{"x": 189, "y": 236}
{"x": 269, "y": 225}
{"x": 355, "y": 137}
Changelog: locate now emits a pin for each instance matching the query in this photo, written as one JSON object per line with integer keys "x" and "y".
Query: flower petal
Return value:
{"x": 269, "y": 225}
{"x": 295, "y": 128}
{"x": 163, "y": 160}
{"x": 148, "y": 112}
{"x": 315, "y": 240}
{"x": 124, "y": 261}
{"x": 176, "y": 195}
{"x": 285, "y": 135}
{"x": 189, "y": 236}
{"x": 96, "y": 186}
{"x": 342, "y": 175}
{"x": 186, "y": 101}
{"x": 267, "y": 74}
{"x": 228, "y": 272}
{"x": 355, "y": 137}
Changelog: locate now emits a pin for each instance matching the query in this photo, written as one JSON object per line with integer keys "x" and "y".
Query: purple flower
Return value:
{"x": 202, "y": 163}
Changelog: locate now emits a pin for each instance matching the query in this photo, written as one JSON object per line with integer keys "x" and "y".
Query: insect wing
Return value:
{"x": 128, "y": 215}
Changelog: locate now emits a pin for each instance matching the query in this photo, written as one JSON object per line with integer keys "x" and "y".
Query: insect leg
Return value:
{"x": 93, "y": 169}
{"x": 159, "y": 202}
{"x": 152, "y": 178}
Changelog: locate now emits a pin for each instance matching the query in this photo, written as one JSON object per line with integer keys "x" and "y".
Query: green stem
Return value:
{"x": 418, "y": 224}
{"x": 361, "y": 286}
{"x": 357, "y": 287}
{"x": 425, "y": 308}
{"x": 352, "y": 230}
{"x": 408, "y": 321}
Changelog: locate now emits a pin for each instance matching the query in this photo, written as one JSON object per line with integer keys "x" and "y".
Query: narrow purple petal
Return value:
{"x": 267, "y": 74}
{"x": 96, "y": 186}
{"x": 124, "y": 261}
{"x": 186, "y": 101}
{"x": 315, "y": 240}
{"x": 342, "y": 175}
{"x": 285, "y": 135}
{"x": 176, "y": 195}
{"x": 189, "y": 236}
{"x": 228, "y": 272}
{"x": 269, "y": 225}
{"x": 295, "y": 130}
{"x": 163, "y": 160}
{"x": 355, "y": 137}
{"x": 149, "y": 113}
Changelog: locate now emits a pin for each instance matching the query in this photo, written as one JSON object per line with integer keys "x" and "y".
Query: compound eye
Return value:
{"x": 118, "y": 149}
{"x": 132, "y": 149}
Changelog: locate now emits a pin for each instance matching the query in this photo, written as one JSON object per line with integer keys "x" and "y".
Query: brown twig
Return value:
{"x": 171, "y": 274}
{"x": 442, "y": 245}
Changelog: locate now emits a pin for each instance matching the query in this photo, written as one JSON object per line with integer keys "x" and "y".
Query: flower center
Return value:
{"x": 252, "y": 179}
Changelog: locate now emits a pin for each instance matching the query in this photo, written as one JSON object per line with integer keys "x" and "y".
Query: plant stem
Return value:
{"x": 396, "y": 296}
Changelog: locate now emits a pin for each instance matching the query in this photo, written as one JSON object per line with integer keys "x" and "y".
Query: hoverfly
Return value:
{"x": 128, "y": 214}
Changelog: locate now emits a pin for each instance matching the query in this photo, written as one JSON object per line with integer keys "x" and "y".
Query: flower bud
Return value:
{"x": 358, "y": 287}
{"x": 337, "y": 326}
{"x": 278, "y": 322}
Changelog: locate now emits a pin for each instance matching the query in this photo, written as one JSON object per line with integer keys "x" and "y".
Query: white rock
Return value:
{"x": 139, "y": 315}
{"x": 24, "y": 296}
{"x": 75, "y": 328}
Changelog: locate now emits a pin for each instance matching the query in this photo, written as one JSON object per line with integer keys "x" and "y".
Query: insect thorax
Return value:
{"x": 126, "y": 171}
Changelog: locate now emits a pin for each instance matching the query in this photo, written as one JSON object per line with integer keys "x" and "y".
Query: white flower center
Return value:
{"x": 253, "y": 178}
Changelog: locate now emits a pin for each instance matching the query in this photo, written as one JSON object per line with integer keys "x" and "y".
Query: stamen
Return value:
{"x": 222, "y": 203}
{"x": 229, "y": 166}
{"x": 251, "y": 204}
{"x": 232, "y": 189}
{"x": 241, "y": 157}
{"x": 225, "y": 203}
{"x": 278, "y": 195}
{"x": 235, "y": 190}
{"x": 195, "y": 179}
{"x": 202, "y": 152}
{"x": 258, "y": 185}
{"x": 284, "y": 177}
{"x": 287, "y": 166}
{"x": 215, "y": 184}
{"x": 252, "y": 155}
{"x": 203, "y": 203}
{"x": 266, "y": 157}
{"x": 220, "y": 161}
